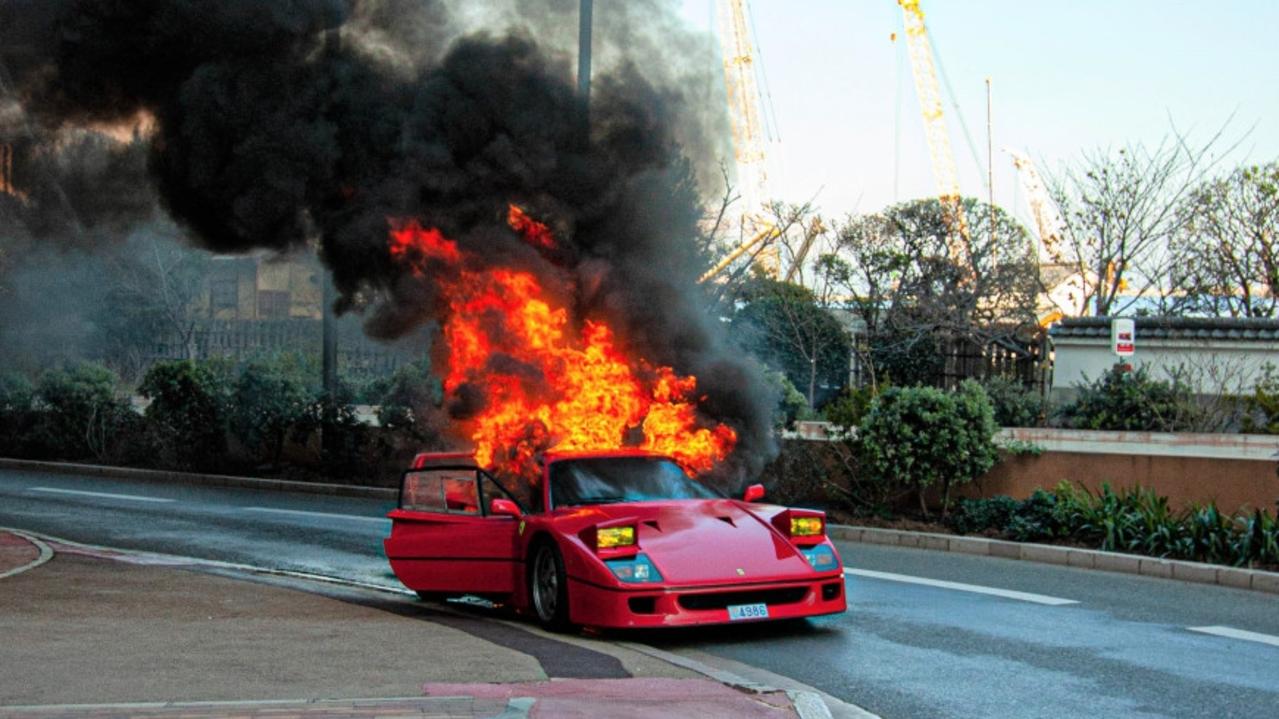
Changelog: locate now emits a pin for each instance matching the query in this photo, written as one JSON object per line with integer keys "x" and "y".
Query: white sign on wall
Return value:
{"x": 1123, "y": 336}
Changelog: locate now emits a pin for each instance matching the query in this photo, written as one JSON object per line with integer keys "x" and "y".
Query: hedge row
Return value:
{"x": 215, "y": 416}
{"x": 1134, "y": 520}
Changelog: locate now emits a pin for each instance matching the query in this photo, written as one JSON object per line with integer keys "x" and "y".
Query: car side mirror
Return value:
{"x": 504, "y": 508}
{"x": 753, "y": 493}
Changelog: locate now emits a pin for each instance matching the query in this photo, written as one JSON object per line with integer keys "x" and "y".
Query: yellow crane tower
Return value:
{"x": 748, "y": 135}
{"x": 930, "y": 106}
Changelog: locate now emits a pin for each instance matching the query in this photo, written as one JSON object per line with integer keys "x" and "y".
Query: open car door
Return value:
{"x": 445, "y": 538}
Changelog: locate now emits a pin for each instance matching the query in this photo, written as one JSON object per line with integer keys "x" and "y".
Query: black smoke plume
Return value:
{"x": 274, "y": 124}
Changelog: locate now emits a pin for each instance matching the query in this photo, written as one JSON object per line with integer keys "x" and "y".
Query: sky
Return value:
{"x": 1068, "y": 76}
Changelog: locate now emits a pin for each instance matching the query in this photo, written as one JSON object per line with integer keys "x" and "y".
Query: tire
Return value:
{"x": 548, "y": 587}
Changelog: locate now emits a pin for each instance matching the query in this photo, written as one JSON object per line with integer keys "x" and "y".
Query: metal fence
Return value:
{"x": 359, "y": 357}
{"x": 1025, "y": 359}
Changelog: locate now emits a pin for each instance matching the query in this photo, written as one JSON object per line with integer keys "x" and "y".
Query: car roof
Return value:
{"x": 434, "y": 460}
{"x": 602, "y": 454}
{"x": 430, "y": 460}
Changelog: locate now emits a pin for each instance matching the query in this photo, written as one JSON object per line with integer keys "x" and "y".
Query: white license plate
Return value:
{"x": 747, "y": 611}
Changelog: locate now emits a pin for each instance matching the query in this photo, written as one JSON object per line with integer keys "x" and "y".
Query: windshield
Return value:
{"x": 607, "y": 480}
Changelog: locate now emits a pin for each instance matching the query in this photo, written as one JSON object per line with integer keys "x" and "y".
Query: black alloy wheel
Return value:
{"x": 548, "y": 587}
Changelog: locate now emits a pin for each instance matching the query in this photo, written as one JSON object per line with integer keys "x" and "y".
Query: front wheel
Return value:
{"x": 548, "y": 587}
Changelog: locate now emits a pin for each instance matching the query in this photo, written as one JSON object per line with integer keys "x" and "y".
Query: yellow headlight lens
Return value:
{"x": 805, "y": 526}
{"x": 610, "y": 537}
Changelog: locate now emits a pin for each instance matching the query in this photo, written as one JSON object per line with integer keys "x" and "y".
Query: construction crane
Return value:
{"x": 810, "y": 238}
{"x": 1042, "y": 209}
{"x": 1064, "y": 283}
{"x": 769, "y": 233}
{"x": 930, "y": 106}
{"x": 748, "y": 132}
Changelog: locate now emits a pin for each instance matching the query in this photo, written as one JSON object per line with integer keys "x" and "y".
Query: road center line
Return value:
{"x": 961, "y": 587}
{"x": 1232, "y": 633}
{"x": 315, "y": 514}
{"x": 108, "y": 495}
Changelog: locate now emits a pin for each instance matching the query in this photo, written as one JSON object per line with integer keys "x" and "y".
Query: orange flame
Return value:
{"x": 535, "y": 233}
{"x": 545, "y": 383}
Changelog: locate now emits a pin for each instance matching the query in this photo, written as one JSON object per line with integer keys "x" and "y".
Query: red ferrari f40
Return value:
{"x": 610, "y": 539}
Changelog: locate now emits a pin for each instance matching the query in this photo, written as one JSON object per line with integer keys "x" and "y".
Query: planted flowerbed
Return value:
{"x": 1134, "y": 520}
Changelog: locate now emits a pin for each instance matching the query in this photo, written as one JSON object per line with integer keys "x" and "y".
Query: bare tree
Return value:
{"x": 156, "y": 281}
{"x": 1227, "y": 246}
{"x": 1121, "y": 210}
{"x": 899, "y": 277}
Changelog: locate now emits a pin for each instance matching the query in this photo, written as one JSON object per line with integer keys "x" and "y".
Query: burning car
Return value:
{"x": 610, "y": 539}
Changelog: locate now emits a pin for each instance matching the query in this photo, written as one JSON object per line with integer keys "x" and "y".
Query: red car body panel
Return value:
{"x": 710, "y": 553}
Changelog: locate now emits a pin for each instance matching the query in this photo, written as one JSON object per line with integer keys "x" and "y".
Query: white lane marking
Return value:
{"x": 108, "y": 495}
{"x": 330, "y": 515}
{"x": 961, "y": 587}
{"x": 1232, "y": 633}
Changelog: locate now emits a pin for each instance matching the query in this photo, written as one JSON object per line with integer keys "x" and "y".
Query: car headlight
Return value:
{"x": 806, "y": 526}
{"x": 613, "y": 537}
{"x": 634, "y": 570}
{"x": 820, "y": 557}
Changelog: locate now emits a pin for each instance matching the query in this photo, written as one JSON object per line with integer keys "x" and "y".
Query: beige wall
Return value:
{"x": 1234, "y": 484}
{"x": 1212, "y": 367}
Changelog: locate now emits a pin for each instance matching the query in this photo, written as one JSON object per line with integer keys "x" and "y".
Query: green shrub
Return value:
{"x": 346, "y": 443}
{"x": 17, "y": 413}
{"x": 80, "y": 415}
{"x": 188, "y": 412}
{"x": 406, "y": 399}
{"x": 1035, "y": 519}
{"x": 850, "y": 407}
{"x": 925, "y": 437}
{"x": 271, "y": 399}
{"x": 1130, "y": 400}
{"x": 979, "y": 515}
{"x": 1015, "y": 405}
{"x": 1262, "y": 407}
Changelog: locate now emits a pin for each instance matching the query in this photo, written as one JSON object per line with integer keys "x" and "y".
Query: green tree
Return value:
{"x": 788, "y": 329}
{"x": 927, "y": 437}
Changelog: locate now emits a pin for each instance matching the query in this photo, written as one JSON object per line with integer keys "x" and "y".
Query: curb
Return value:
{"x": 1237, "y": 577}
{"x": 45, "y": 553}
{"x": 211, "y": 480}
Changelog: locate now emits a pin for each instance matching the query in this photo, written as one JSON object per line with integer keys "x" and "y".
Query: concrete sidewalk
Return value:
{"x": 92, "y": 633}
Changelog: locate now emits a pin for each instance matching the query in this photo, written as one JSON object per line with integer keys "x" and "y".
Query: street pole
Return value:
{"x": 990, "y": 164}
{"x": 328, "y": 358}
{"x": 328, "y": 330}
{"x": 584, "y": 67}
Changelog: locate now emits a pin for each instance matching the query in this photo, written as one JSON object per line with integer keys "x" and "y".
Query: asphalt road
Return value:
{"x": 927, "y": 634}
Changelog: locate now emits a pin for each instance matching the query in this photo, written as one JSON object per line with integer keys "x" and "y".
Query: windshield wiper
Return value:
{"x": 600, "y": 500}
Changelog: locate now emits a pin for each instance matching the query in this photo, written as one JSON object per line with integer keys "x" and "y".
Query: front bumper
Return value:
{"x": 595, "y": 606}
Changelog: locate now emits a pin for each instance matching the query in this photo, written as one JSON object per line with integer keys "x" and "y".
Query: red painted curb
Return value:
{"x": 18, "y": 554}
